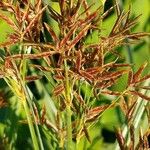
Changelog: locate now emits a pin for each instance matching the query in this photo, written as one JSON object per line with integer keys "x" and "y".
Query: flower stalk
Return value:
{"x": 31, "y": 126}
{"x": 74, "y": 63}
{"x": 68, "y": 108}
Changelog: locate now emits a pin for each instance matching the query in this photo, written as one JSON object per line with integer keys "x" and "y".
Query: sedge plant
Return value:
{"x": 72, "y": 70}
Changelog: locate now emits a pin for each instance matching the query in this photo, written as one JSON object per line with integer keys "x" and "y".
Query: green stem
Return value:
{"x": 140, "y": 107}
{"x": 68, "y": 108}
{"x": 28, "y": 98}
{"x": 69, "y": 128}
{"x": 31, "y": 127}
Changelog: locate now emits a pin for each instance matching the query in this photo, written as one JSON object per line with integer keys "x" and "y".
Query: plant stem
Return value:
{"x": 71, "y": 3}
{"x": 31, "y": 127}
{"x": 68, "y": 108}
{"x": 140, "y": 107}
{"x": 136, "y": 117}
{"x": 28, "y": 98}
{"x": 69, "y": 128}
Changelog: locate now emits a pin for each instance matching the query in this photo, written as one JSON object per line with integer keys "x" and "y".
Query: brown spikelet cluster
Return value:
{"x": 78, "y": 71}
{"x": 142, "y": 144}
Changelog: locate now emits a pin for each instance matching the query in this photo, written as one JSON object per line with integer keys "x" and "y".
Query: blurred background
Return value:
{"x": 16, "y": 134}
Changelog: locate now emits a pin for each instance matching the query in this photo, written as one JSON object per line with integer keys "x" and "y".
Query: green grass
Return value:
{"x": 45, "y": 119}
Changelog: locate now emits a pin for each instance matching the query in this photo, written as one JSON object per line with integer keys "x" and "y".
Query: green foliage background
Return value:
{"x": 16, "y": 134}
